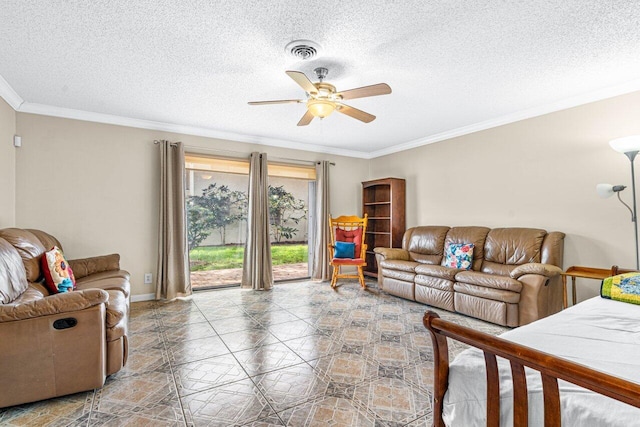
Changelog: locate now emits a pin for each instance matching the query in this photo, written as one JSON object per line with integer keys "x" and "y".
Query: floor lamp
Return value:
{"x": 630, "y": 146}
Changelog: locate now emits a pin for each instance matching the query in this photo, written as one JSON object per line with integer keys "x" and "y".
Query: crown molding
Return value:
{"x": 68, "y": 113}
{"x": 10, "y": 95}
{"x": 18, "y": 104}
{"x": 563, "y": 104}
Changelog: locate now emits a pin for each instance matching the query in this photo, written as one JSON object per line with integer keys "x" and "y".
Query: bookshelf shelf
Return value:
{"x": 383, "y": 200}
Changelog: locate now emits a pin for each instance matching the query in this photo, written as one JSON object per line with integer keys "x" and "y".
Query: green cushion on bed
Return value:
{"x": 623, "y": 287}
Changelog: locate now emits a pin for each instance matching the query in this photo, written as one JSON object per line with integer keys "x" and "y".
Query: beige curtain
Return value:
{"x": 320, "y": 268}
{"x": 172, "y": 276}
{"x": 257, "y": 273}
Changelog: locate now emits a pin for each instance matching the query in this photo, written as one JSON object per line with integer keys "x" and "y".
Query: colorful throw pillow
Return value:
{"x": 458, "y": 255}
{"x": 57, "y": 274}
{"x": 623, "y": 287}
{"x": 344, "y": 250}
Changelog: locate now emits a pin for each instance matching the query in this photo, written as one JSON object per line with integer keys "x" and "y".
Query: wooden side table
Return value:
{"x": 585, "y": 273}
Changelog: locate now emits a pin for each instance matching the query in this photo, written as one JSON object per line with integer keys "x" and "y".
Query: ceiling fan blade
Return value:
{"x": 362, "y": 92}
{"x": 355, "y": 113}
{"x": 306, "y": 119}
{"x": 281, "y": 101}
{"x": 303, "y": 81}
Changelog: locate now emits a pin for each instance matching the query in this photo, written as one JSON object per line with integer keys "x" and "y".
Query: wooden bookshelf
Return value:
{"x": 384, "y": 201}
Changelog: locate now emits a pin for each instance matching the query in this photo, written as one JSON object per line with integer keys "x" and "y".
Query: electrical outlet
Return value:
{"x": 148, "y": 278}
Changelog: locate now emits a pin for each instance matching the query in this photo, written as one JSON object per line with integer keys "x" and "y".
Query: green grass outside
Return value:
{"x": 223, "y": 257}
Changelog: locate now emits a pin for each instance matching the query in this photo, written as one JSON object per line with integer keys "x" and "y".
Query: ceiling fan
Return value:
{"x": 323, "y": 99}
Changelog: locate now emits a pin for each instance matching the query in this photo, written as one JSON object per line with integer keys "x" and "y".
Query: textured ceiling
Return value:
{"x": 451, "y": 64}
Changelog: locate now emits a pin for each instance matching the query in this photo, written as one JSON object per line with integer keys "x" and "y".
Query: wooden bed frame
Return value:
{"x": 551, "y": 369}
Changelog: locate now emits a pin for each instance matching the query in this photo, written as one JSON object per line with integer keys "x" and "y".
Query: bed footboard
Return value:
{"x": 551, "y": 369}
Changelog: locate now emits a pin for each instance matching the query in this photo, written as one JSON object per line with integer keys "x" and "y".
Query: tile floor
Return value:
{"x": 301, "y": 354}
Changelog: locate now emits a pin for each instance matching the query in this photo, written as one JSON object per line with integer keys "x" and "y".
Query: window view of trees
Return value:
{"x": 214, "y": 210}
{"x": 285, "y": 213}
{"x": 217, "y": 205}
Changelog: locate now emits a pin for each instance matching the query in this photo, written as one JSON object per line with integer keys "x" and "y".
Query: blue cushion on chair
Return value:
{"x": 344, "y": 250}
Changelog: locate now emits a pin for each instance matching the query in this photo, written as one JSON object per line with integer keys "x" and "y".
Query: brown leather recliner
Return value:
{"x": 514, "y": 278}
{"x": 53, "y": 345}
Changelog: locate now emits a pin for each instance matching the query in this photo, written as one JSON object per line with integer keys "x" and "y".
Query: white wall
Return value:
{"x": 95, "y": 186}
{"x": 7, "y": 165}
{"x": 539, "y": 172}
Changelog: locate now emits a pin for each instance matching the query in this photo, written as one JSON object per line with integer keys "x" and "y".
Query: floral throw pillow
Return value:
{"x": 57, "y": 274}
{"x": 459, "y": 255}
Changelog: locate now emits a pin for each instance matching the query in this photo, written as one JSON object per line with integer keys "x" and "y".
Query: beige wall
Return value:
{"x": 539, "y": 172}
{"x": 7, "y": 165}
{"x": 94, "y": 186}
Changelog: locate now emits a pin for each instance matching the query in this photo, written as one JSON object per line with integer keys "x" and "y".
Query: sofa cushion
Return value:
{"x": 108, "y": 280}
{"x": 30, "y": 249}
{"x": 497, "y": 269}
{"x": 458, "y": 255}
{"x": 47, "y": 240}
{"x": 111, "y": 274}
{"x": 398, "y": 288}
{"x": 475, "y": 235}
{"x": 434, "y": 282}
{"x": 437, "y": 271}
{"x": 395, "y": 264}
{"x": 13, "y": 281}
{"x": 58, "y": 275}
{"x": 435, "y": 297}
{"x": 32, "y": 293}
{"x": 489, "y": 280}
{"x": 98, "y": 264}
{"x": 425, "y": 244}
{"x": 488, "y": 293}
{"x": 514, "y": 246}
{"x": 399, "y": 275}
{"x": 492, "y": 311}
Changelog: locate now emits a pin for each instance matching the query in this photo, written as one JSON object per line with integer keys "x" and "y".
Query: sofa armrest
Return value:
{"x": 546, "y": 270}
{"x": 55, "y": 304}
{"x": 392, "y": 253}
{"x": 86, "y": 266}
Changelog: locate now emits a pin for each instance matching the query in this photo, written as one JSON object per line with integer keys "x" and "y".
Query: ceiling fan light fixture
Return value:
{"x": 320, "y": 108}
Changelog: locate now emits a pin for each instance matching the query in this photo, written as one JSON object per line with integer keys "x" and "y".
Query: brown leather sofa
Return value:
{"x": 53, "y": 345}
{"x": 514, "y": 278}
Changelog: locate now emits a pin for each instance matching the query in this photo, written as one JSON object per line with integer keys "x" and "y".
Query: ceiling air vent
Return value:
{"x": 303, "y": 49}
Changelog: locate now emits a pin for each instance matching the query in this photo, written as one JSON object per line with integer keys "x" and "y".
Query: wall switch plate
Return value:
{"x": 17, "y": 141}
{"x": 148, "y": 278}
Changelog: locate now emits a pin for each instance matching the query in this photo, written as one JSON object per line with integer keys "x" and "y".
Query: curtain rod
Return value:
{"x": 218, "y": 150}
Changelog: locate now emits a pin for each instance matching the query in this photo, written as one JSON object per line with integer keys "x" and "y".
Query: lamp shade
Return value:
{"x": 604, "y": 190}
{"x": 626, "y": 144}
{"x": 608, "y": 190}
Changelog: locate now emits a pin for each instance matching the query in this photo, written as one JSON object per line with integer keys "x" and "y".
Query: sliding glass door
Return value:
{"x": 217, "y": 212}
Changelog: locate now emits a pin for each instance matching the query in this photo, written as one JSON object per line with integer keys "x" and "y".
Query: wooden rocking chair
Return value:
{"x": 347, "y": 232}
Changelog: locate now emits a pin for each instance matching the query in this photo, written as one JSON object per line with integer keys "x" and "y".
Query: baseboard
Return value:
{"x": 143, "y": 297}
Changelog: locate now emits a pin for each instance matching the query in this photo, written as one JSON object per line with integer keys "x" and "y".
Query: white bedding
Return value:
{"x": 599, "y": 333}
